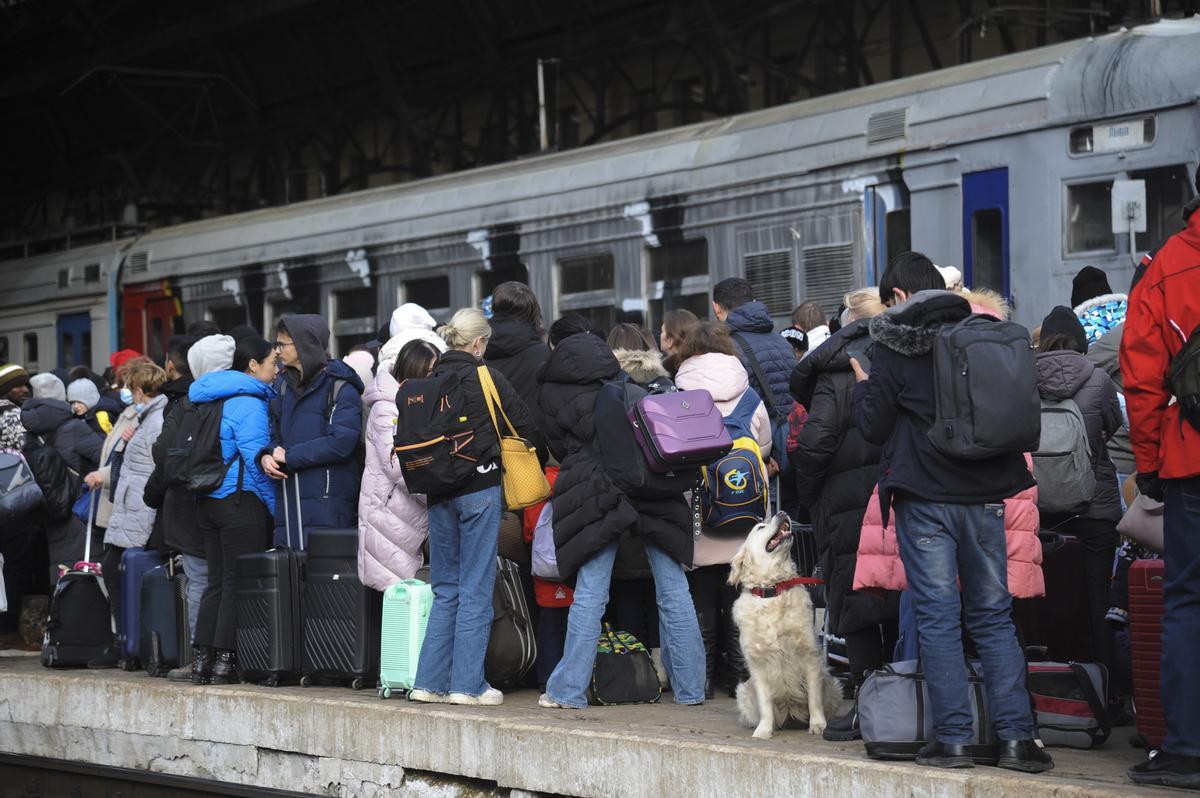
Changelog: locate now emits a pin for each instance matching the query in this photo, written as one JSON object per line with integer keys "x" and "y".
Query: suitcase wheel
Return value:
{"x": 358, "y": 684}
{"x": 305, "y": 681}
{"x": 272, "y": 680}
{"x": 385, "y": 692}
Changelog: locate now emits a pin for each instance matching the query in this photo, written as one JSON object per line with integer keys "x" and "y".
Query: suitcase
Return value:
{"x": 512, "y": 647}
{"x": 80, "y": 625}
{"x": 679, "y": 430}
{"x": 1145, "y": 636}
{"x": 268, "y": 590}
{"x": 406, "y": 607}
{"x": 135, "y": 564}
{"x": 340, "y": 614}
{"x": 165, "y": 639}
{"x": 1057, "y": 622}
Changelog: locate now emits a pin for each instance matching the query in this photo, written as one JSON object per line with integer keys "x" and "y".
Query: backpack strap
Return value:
{"x": 331, "y": 404}
{"x": 742, "y": 415}
{"x": 1092, "y": 697}
{"x": 764, "y": 386}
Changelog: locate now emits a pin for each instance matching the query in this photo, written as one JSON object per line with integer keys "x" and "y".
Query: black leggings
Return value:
{"x": 869, "y": 649}
{"x": 110, "y": 569}
{"x": 233, "y": 526}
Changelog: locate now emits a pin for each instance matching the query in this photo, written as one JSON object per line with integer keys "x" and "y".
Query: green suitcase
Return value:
{"x": 406, "y": 606}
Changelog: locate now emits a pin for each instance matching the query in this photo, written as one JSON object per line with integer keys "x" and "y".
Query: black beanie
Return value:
{"x": 1089, "y": 284}
{"x": 1062, "y": 321}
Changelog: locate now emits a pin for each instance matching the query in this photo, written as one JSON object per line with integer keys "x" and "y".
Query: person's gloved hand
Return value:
{"x": 1151, "y": 486}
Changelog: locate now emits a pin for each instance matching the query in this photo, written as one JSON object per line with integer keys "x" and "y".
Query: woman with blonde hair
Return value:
{"x": 464, "y": 520}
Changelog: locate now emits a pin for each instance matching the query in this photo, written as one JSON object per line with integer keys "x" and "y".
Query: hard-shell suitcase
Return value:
{"x": 135, "y": 564}
{"x": 165, "y": 638}
{"x": 80, "y": 625}
{"x": 512, "y": 647}
{"x": 1058, "y": 621}
{"x": 406, "y": 607}
{"x": 679, "y": 430}
{"x": 341, "y": 614}
{"x": 1145, "y": 634}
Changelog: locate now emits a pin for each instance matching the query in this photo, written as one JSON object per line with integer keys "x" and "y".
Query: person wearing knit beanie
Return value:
{"x": 211, "y": 353}
{"x": 48, "y": 386}
{"x": 14, "y": 383}
{"x": 82, "y": 395}
{"x": 1089, "y": 283}
{"x": 1062, "y": 321}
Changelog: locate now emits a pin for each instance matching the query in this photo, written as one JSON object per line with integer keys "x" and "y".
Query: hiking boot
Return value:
{"x": 1168, "y": 770}
{"x": 224, "y": 668}
{"x": 1027, "y": 756}
{"x": 844, "y": 729}
{"x": 199, "y": 671}
{"x": 109, "y": 659}
{"x": 945, "y": 755}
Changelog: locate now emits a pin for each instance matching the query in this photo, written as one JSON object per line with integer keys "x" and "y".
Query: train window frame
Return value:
{"x": 440, "y": 313}
{"x": 4, "y": 349}
{"x": 1143, "y": 242}
{"x": 1067, "y": 187}
{"x": 30, "y": 348}
{"x": 1086, "y": 132}
{"x": 349, "y": 330}
{"x": 687, "y": 287}
{"x": 597, "y": 304}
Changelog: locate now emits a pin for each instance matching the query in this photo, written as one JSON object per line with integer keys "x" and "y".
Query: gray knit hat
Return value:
{"x": 83, "y": 391}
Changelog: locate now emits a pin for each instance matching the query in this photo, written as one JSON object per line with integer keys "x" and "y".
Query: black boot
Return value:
{"x": 844, "y": 728}
{"x": 225, "y": 669}
{"x": 733, "y": 664}
{"x": 707, "y": 616}
{"x": 200, "y": 671}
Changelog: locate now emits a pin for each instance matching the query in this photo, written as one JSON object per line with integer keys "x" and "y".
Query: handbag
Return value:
{"x": 1143, "y": 523}
{"x": 522, "y": 477}
{"x": 624, "y": 671}
{"x": 1066, "y": 698}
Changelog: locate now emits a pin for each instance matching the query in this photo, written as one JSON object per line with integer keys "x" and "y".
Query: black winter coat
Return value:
{"x": 59, "y": 488}
{"x": 752, "y": 322}
{"x": 176, "y": 525}
{"x": 590, "y": 512}
{"x": 55, "y": 422}
{"x": 518, "y": 352}
{"x": 836, "y": 471}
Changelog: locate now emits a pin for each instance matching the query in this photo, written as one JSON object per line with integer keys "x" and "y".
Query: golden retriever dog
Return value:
{"x": 788, "y": 678}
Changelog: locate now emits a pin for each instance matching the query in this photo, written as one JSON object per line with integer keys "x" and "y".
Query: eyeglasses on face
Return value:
{"x": 279, "y": 346}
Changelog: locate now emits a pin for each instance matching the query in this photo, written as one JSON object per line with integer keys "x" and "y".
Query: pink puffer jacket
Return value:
{"x": 879, "y": 565}
{"x": 392, "y": 523}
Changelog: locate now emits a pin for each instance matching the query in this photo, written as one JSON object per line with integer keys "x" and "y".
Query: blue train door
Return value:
{"x": 985, "y": 230}
{"x": 74, "y": 340}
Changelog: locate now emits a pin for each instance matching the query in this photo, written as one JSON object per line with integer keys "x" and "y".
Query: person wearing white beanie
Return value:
{"x": 48, "y": 386}
{"x": 952, "y": 276}
{"x": 83, "y": 395}
{"x": 211, "y": 353}
{"x": 410, "y": 322}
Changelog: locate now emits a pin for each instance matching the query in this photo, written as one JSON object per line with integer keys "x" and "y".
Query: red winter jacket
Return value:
{"x": 1164, "y": 309}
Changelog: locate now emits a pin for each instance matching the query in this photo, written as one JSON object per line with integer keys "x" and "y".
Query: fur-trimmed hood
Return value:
{"x": 643, "y": 367}
{"x": 988, "y": 302}
{"x": 1101, "y": 315}
{"x": 911, "y": 328}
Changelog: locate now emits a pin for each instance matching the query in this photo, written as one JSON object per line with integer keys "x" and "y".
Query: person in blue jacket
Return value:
{"x": 235, "y": 519}
{"x": 316, "y": 429}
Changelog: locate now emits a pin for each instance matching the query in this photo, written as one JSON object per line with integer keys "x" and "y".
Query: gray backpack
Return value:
{"x": 1062, "y": 463}
{"x": 985, "y": 389}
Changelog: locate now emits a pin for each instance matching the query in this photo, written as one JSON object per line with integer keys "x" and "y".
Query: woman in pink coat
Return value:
{"x": 392, "y": 523}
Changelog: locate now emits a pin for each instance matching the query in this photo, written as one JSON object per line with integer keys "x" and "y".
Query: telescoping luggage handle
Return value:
{"x": 86, "y": 563}
{"x": 287, "y": 519}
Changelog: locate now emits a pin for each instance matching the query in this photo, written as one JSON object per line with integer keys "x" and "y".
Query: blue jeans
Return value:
{"x": 939, "y": 544}
{"x": 196, "y": 570}
{"x": 683, "y": 650}
{"x": 463, "y": 534}
{"x": 1179, "y": 686}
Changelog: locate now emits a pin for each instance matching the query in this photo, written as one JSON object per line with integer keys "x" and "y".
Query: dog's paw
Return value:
{"x": 764, "y": 732}
{"x": 816, "y": 728}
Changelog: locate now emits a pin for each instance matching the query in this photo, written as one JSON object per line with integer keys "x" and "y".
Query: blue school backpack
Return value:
{"x": 733, "y": 490}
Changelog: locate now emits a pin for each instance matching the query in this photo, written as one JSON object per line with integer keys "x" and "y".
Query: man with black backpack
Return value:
{"x": 949, "y": 508}
{"x": 1160, "y": 358}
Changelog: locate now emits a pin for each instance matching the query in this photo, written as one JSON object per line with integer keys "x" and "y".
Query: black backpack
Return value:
{"x": 974, "y": 419}
{"x": 433, "y": 433}
{"x": 192, "y": 459}
{"x": 1184, "y": 379}
{"x": 620, "y": 454}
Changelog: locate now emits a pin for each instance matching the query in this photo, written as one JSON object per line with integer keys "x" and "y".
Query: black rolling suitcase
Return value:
{"x": 1058, "y": 622}
{"x": 341, "y": 615}
{"x": 80, "y": 626}
{"x": 165, "y": 638}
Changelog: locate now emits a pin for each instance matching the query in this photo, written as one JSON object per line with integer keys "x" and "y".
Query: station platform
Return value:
{"x": 334, "y": 741}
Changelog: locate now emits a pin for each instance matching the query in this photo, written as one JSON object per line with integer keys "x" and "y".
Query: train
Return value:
{"x": 1005, "y": 168}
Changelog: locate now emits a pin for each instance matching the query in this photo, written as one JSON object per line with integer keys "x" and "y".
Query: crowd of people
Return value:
{"x": 915, "y": 544}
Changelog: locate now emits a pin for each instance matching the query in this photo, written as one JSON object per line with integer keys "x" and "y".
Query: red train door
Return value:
{"x": 150, "y": 312}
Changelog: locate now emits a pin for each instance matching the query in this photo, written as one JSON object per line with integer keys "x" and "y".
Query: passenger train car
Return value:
{"x": 1004, "y": 168}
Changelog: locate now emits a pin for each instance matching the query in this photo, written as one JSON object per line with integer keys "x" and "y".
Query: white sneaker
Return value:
{"x": 426, "y": 697}
{"x": 490, "y": 697}
{"x": 545, "y": 701}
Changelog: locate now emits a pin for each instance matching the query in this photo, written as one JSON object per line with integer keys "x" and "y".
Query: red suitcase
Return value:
{"x": 1145, "y": 633}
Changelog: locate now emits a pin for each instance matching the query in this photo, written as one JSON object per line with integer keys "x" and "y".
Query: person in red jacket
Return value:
{"x": 1164, "y": 312}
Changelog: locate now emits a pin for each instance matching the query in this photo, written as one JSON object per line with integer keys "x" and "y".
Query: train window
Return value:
{"x": 355, "y": 302}
{"x": 31, "y": 351}
{"x": 64, "y": 278}
{"x": 66, "y": 350}
{"x": 899, "y": 232}
{"x": 158, "y": 338}
{"x": 85, "y": 348}
{"x": 587, "y": 273}
{"x": 700, "y": 304}
{"x": 1167, "y": 190}
{"x": 431, "y": 293}
{"x": 3, "y": 348}
{"x": 502, "y": 273}
{"x": 678, "y": 260}
{"x": 354, "y": 317}
{"x": 987, "y": 249}
{"x": 1089, "y": 218}
{"x": 91, "y": 273}
{"x": 228, "y": 317}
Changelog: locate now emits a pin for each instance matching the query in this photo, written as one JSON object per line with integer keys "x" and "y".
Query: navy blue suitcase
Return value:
{"x": 341, "y": 615}
{"x": 134, "y": 565}
{"x": 165, "y": 639}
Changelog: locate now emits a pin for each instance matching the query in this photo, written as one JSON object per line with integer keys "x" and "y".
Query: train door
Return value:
{"x": 985, "y": 230}
{"x": 161, "y": 313}
{"x": 74, "y": 340}
{"x": 888, "y": 223}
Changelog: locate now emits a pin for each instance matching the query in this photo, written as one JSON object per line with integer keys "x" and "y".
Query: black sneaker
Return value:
{"x": 1027, "y": 756}
{"x": 109, "y": 659}
{"x": 1168, "y": 770}
{"x": 844, "y": 729}
{"x": 945, "y": 755}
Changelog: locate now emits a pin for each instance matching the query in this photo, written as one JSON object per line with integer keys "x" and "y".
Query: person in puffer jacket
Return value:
{"x": 734, "y": 304}
{"x": 55, "y": 422}
{"x": 236, "y": 518}
{"x": 1064, "y": 372}
{"x": 316, "y": 428}
{"x": 709, "y": 363}
{"x": 392, "y": 523}
{"x": 132, "y": 521}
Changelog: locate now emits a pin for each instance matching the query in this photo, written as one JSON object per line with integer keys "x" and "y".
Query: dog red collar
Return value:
{"x": 771, "y": 591}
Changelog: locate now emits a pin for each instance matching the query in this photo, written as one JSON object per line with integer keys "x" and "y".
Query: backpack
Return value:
{"x": 733, "y": 492}
{"x": 972, "y": 419}
{"x": 1184, "y": 379}
{"x": 623, "y": 672}
{"x": 1062, "y": 463}
{"x": 511, "y": 648}
{"x": 432, "y": 433}
{"x": 206, "y": 466}
{"x": 620, "y": 454}
{"x": 19, "y": 491}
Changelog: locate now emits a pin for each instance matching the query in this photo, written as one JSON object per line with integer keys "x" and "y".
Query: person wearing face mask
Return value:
{"x": 132, "y": 521}
{"x": 236, "y": 518}
{"x": 112, "y": 452}
{"x": 464, "y": 519}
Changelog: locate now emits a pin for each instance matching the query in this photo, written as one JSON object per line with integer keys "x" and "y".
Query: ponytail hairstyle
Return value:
{"x": 464, "y": 327}
{"x": 416, "y": 359}
{"x": 250, "y": 348}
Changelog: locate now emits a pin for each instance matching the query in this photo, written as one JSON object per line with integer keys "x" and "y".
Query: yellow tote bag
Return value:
{"x": 522, "y": 477}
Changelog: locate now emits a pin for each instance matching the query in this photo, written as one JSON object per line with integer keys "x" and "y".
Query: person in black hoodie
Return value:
{"x": 836, "y": 470}
{"x": 591, "y": 515}
{"x": 53, "y": 421}
{"x": 464, "y": 522}
{"x": 517, "y": 349}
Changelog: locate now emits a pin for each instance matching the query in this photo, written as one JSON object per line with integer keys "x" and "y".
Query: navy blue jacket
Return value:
{"x": 752, "y": 323}
{"x": 320, "y": 438}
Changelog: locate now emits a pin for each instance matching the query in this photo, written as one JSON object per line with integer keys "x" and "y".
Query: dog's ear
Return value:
{"x": 735, "y": 567}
